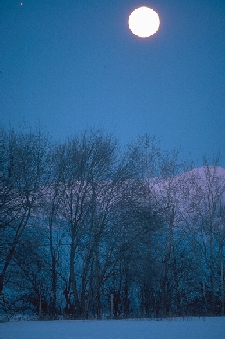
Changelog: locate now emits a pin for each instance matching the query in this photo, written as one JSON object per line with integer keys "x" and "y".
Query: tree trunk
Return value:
{"x": 222, "y": 287}
{"x": 73, "y": 278}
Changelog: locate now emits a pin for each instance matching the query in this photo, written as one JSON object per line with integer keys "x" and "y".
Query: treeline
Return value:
{"x": 91, "y": 230}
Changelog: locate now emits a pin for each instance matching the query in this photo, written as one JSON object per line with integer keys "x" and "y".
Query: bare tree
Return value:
{"x": 88, "y": 163}
{"x": 202, "y": 214}
{"x": 22, "y": 175}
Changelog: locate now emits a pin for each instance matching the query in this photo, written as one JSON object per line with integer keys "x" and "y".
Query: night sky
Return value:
{"x": 73, "y": 64}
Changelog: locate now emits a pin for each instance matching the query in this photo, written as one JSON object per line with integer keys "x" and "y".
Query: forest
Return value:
{"x": 93, "y": 230}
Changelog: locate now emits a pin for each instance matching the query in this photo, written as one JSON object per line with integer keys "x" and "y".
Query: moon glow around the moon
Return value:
{"x": 144, "y": 22}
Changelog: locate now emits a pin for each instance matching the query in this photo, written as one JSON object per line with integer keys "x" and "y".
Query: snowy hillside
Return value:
{"x": 191, "y": 189}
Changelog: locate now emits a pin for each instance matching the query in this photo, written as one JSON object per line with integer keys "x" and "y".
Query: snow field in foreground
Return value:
{"x": 189, "y": 328}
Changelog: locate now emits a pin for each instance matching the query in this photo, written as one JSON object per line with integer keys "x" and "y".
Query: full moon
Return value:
{"x": 144, "y": 22}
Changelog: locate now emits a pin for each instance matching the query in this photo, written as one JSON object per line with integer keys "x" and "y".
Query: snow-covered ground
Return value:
{"x": 208, "y": 328}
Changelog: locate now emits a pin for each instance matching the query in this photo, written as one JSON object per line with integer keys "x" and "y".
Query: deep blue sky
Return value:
{"x": 74, "y": 63}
